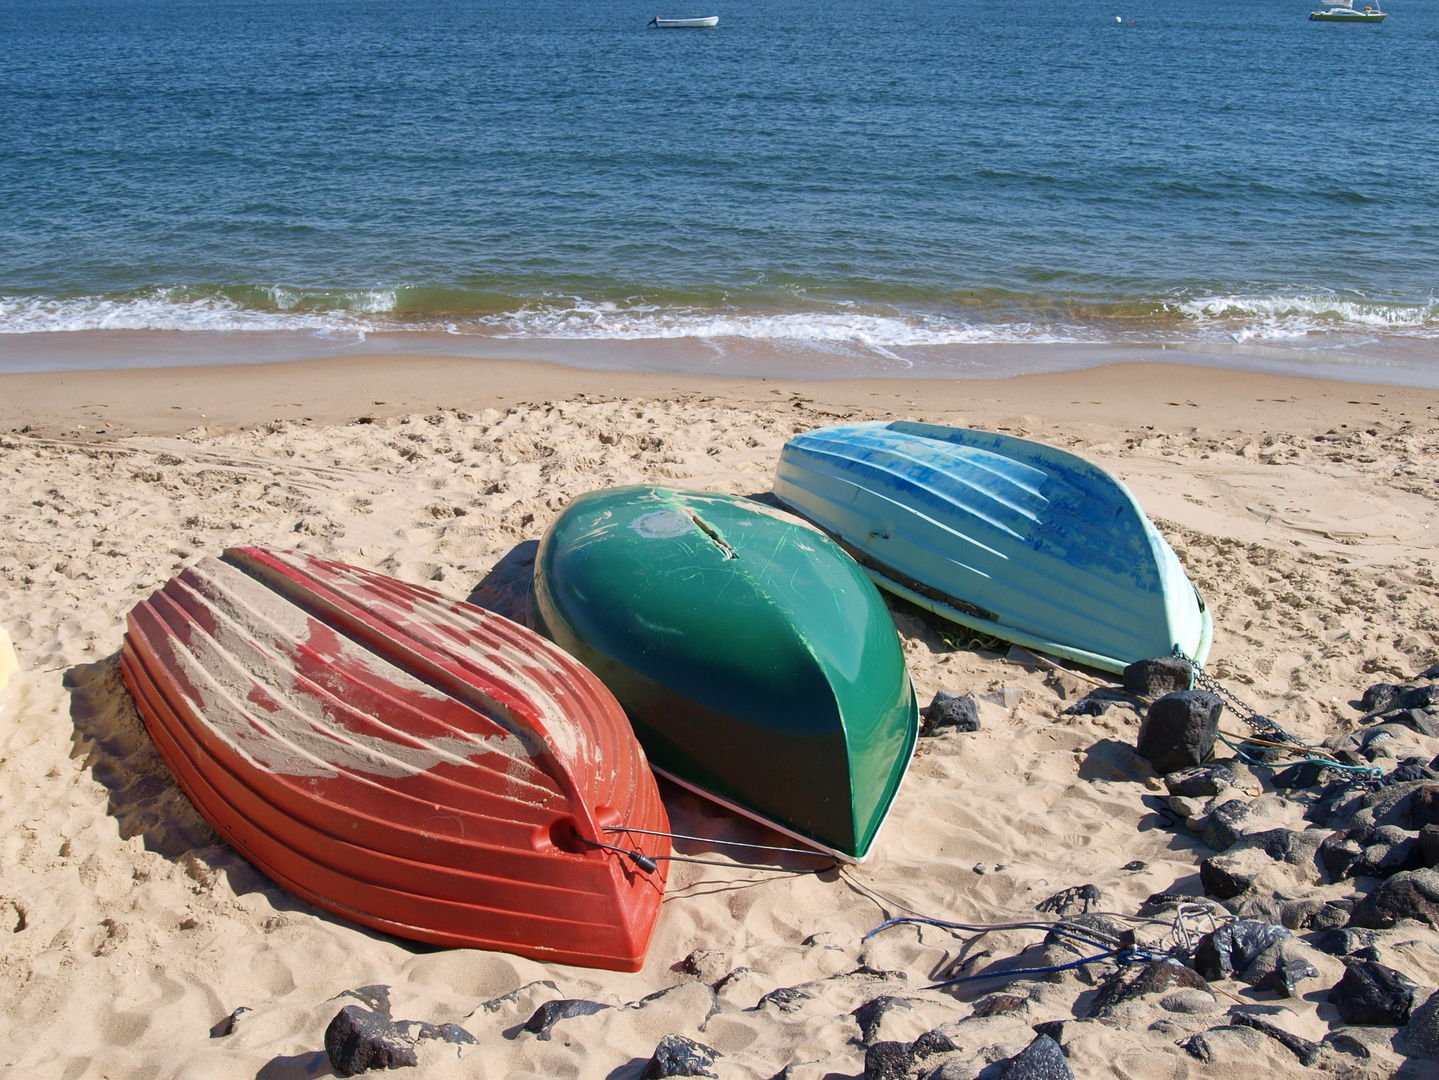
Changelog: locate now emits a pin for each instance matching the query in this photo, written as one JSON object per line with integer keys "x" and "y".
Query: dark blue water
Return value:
{"x": 884, "y": 173}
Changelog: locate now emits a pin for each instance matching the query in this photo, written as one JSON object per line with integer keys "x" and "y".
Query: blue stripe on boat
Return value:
{"x": 1012, "y": 537}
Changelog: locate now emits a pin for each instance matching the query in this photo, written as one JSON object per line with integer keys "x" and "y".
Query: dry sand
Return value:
{"x": 1305, "y": 511}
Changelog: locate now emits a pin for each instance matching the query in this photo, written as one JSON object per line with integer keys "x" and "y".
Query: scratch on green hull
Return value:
{"x": 755, "y": 659}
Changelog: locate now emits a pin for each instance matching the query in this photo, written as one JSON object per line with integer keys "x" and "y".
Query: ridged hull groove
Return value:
{"x": 413, "y": 763}
{"x": 1031, "y": 543}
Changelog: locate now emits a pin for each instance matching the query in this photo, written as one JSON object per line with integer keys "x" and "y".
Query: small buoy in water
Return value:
{"x": 1119, "y": 18}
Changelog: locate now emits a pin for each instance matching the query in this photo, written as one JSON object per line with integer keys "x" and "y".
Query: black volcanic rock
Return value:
{"x": 542, "y": 1020}
{"x": 1422, "y": 1032}
{"x": 676, "y": 1055}
{"x": 1178, "y": 731}
{"x": 888, "y": 1061}
{"x": 871, "y": 1014}
{"x": 951, "y": 712}
{"x": 1132, "y": 982}
{"x": 1304, "y": 775}
{"x": 1202, "y": 781}
{"x": 1223, "y": 826}
{"x": 1234, "y": 946}
{"x": 1345, "y": 942}
{"x": 1379, "y": 698}
{"x": 1157, "y": 676}
{"x": 1413, "y": 894}
{"x": 1042, "y": 1059}
{"x": 1225, "y": 877}
{"x": 1288, "y": 972}
{"x": 1370, "y": 993}
{"x": 1307, "y": 1052}
{"x": 358, "y": 1040}
{"x": 1428, "y": 843}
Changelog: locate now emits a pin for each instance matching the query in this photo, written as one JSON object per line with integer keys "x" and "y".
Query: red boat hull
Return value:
{"x": 413, "y": 763}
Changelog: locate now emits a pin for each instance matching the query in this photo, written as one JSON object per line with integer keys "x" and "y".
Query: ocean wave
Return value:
{"x": 1292, "y": 318}
{"x": 362, "y": 312}
{"x": 184, "y": 310}
{"x": 354, "y": 314}
{"x": 848, "y": 327}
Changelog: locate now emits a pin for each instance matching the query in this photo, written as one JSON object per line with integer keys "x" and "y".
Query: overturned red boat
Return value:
{"x": 416, "y": 764}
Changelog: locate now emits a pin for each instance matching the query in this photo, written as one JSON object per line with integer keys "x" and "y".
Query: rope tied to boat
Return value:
{"x": 1280, "y": 739}
{"x": 650, "y": 863}
{"x": 1118, "y": 956}
{"x": 1366, "y": 771}
{"x": 647, "y": 863}
{"x": 1259, "y": 722}
{"x": 712, "y": 840}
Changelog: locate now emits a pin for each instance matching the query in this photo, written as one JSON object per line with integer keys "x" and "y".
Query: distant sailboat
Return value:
{"x": 1344, "y": 11}
{"x": 685, "y": 24}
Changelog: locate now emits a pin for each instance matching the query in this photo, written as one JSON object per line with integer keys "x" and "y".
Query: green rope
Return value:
{"x": 1363, "y": 770}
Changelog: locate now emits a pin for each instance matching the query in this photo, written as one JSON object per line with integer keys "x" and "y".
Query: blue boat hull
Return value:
{"x": 1009, "y": 537}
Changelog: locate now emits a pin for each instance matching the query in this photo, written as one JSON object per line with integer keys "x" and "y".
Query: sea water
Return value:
{"x": 877, "y": 185}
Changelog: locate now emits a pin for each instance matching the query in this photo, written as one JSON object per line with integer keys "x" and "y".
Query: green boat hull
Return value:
{"x": 756, "y": 660}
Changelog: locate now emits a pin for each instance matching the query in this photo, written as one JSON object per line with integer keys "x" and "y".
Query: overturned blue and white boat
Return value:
{"x": 1006, "y": 536}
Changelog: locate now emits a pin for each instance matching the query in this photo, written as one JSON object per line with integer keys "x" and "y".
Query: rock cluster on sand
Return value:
{"x": 1342, "y": 852}
{"x": 1310, "y": 877}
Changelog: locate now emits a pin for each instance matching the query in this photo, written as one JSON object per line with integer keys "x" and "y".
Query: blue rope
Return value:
{"x": 1063, "y": 931}
{"x": 1122, "y": 956}
{"x": 1363, "y": 770}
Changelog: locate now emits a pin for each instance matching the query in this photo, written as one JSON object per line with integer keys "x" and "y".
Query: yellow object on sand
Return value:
{"x": 9, "y": 665}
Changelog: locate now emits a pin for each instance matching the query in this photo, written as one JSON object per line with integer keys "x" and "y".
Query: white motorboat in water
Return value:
{"x": 1345, "y": 11}
{"x": 685, "y": 24}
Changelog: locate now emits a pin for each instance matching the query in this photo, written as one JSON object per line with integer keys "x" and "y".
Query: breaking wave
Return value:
{"x": 1292, "y": 318}
{"x": 1296, "y": 321}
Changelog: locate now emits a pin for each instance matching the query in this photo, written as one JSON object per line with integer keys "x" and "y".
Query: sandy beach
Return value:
{"x": 1306, "y": 512}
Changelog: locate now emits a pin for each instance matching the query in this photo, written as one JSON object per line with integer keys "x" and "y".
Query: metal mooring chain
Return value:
{"x": 1259, "y": 723}
{"x": 1266, "y": 728}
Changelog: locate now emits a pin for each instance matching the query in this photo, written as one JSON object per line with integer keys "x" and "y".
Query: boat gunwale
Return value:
{"x": 961, "y": 611}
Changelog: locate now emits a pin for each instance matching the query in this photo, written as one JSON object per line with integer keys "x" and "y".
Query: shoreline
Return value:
{"x": 1397, "y": 360}
{"x": 113, "y": 403}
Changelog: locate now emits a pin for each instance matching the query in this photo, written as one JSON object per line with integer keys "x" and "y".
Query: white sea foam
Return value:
{"x": 1293, "y": 320}
{"x": 372, "y": 311}
{"x": 847, "y": 327}
{"x": 175, "y": 309}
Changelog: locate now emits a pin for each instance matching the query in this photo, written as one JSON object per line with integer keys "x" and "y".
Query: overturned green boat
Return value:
{"x": 757, "y": 662}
